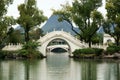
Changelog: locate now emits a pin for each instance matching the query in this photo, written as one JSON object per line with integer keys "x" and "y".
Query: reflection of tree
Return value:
{"x": 107, "y": 73}
{"x": 31, "y": 69}
{"x": 0, "y": 70}
{"x": 112, "y": 72}
{"x": 11, "y": 71}
{"x": 89, "y": 71}
{"x": 118, "y": 71}
{"x": 27, "y": 70}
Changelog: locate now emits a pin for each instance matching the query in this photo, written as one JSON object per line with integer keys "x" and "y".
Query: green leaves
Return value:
{"x": 30, "y": 16}
{"x": 112, "y": 24}
{"x": 84, "y": 14}
{"x": 3, "y": 6}
{"x": 96, "y": 16}
{"x": 5, "y": 21}
{"x": 31, "y": 45}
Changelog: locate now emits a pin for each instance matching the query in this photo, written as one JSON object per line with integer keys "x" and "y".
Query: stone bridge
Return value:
{"x": 52, "y": 47}
{"x": 71, "y": 41}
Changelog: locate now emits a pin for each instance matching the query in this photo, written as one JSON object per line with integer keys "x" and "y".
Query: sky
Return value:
{"x": 45, "y": 6}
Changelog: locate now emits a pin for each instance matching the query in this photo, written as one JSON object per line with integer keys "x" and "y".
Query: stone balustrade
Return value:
{"x": 12, "y": 47}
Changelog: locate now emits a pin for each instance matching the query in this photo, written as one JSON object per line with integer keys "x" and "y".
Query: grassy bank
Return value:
{"x": 28, "y": 51}
{"x": 112, "y": 52}
{"x": 88, "y": 53}
{"x": 19, "y": 55}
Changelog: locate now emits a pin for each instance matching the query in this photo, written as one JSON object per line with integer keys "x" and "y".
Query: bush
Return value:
{"x": 8, "y": 54}
{"x": 2, "y": 54}
{"x": 29, "y": 50}
{"x": 98, "y": 51}
{"x": 77, "y": 52}
{"x": 112, "y": 49}
{"x": 88, "y": 52}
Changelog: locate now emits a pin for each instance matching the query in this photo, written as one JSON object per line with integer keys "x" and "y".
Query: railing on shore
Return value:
{"x": 13, "y": 47}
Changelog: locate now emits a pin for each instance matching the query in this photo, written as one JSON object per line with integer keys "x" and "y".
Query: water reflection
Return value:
{"x": 59, "y": 67}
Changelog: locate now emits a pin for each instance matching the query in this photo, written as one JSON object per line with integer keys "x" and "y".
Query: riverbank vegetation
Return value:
{"x": 30, "y": 17}
{"x": 111, "y": 52}
{"x": 89, "y": 20}
{"x": 28, "y": 51}
{"x": 87, "y": 53}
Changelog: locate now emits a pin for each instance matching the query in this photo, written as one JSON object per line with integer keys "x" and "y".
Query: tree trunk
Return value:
{"x": 89, "y": 42}
{"x": 27, "y": 38}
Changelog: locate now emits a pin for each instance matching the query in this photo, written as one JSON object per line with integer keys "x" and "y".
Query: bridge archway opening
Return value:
{"x": 59, "y": 50}
{"x": 58, "y": 45}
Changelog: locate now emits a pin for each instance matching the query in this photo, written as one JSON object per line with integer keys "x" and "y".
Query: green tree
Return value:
{"x": 30, "y": 16}
{"x": 29, "y": 50}
{"x": 85, "y": 15}
{"x": 35, "y": 34}
{"x": 112, "y": 23}
{"x": 4, "y": 23}
{"x": 97, "y": 38}
{"x": 13, "y": 37}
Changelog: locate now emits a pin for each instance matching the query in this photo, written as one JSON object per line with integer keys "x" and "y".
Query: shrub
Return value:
{"x": 29, "y": 50}
{"x": 88, "y": 51}
{"x": 77, "y": 52}
{"x": 112, "y": 49}
{"x": 2, "y": 54}
{"x": 8, "y": 54}
{"x": 98, "y": 51}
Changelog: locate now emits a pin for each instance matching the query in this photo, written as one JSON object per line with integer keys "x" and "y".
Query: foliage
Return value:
{"x": 13, "y": 37}
{"x": 8, "y": 54}
{"x": 88, "y": 51}
{"x": 5, "y": 21}
{"x": 30, "y": 16}
{"x": 112, "y": 23}
{"x": 97, "y": 38}
{"x": 29, "y": 50}
{"x": 35, "y": 34}
{"x": 85, "y": 15}
{"x": 112, "y": 49}
{"x": 3, "y": 6}
{"x": 98, "y": 51}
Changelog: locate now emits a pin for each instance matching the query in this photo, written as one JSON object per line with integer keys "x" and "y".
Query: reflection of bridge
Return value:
{"x": 50, "y": 48}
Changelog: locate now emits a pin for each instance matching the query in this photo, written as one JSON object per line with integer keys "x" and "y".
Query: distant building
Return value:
{"x": 108, "y": 39}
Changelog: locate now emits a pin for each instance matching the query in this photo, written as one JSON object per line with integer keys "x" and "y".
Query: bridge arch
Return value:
{"x": 73, "y": 42}
{"x": 58, "y": 43}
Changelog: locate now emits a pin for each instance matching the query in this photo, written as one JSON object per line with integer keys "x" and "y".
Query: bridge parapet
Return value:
{"x": 60, "y": 34}
{"x": 12, "y": 47}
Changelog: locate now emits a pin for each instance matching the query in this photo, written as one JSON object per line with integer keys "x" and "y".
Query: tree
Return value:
{"x": 85, "y": 15}
{"x": 13, "y": 37}
{"x": 112, "y": 23}
{"x": 4, "y": 21}
{"x": 35, "y": 34}
{"x": 30, "y": 16}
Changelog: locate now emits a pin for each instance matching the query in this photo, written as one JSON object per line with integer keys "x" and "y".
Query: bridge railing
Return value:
{"x": 70, "y": 37}
{"x": 12, "y": 47}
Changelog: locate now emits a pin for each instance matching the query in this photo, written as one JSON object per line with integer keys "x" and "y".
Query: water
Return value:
{"x": 59, "y": 67}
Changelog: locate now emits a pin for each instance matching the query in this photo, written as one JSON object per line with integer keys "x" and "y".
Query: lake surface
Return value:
{"x": 59, "y": 67}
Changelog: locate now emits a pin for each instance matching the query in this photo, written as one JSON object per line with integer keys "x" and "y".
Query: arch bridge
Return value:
{"x": 72, "y": 42}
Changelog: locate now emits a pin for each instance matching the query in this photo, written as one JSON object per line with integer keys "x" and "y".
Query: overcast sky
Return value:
{"x": 44, "y": 5}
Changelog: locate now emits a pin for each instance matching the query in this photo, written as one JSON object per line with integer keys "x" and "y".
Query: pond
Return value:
{"x": 59, "y": 67}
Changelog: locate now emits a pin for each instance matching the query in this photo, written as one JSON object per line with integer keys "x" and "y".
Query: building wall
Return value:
{"x": 107, "y": 38}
